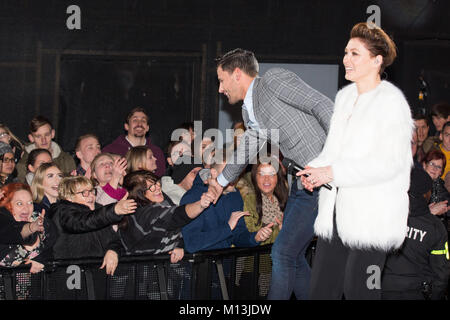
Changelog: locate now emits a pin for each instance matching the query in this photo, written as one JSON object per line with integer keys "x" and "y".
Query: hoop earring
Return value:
{"x": 385, "y": 76}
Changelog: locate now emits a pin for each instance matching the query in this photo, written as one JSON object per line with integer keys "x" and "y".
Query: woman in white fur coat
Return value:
{"x": 367, "y": 160}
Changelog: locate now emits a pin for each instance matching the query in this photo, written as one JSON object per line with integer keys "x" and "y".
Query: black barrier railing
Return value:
{"x": 236, "y": 273}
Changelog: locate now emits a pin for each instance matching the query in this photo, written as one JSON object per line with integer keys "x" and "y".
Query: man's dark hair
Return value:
{"x": 38, "y": 122}
{"x": 447, "y": 124}
{"x": 239, "y": 58}
{"x": 133, "y": 111}
{"x": 420, "y": 116}
{"x": 441, "y": 110}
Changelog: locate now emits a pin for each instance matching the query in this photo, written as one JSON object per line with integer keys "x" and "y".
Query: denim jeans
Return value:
{"x": 290, "y": 270}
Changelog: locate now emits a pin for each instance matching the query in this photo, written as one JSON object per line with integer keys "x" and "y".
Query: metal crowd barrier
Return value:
{"x": 236, "y": 273}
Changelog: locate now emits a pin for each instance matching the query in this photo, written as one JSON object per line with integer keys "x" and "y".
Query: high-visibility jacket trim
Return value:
{"x": 439, "y": 252}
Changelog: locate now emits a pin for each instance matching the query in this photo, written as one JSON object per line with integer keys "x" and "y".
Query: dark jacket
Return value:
{"x": 121, "y": 146}
{"x": 84, "y": 233}
{"x": 439, "y": 193}
{"x": 154, "y": 228}
{"x": 10, "y": 237}
{"x": 210, "y": 230}
{"x": 423, "y": 257}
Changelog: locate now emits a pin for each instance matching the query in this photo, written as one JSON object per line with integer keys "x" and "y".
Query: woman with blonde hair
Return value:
{"x": 367, "y": 159}
{"x": 45, "y": 185}
{"x": 84, "y": 227}
{"x": 8, "y": 137}
{"x": 141, "y": 158}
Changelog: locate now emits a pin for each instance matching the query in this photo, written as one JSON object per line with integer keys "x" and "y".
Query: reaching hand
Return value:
{"x": 235, "y": 216}
{"x": 438, "y": 208}
{"x": 264, "y": 233}
{"x": 206, "y": 199}
{"x": 36, "y": 267}
{"x": 38, "y": 224}
{"x": 125, "y": 206}
{"x": 110, "y": 261}
{"x": 119, "y": 168}
{"x": 214, "y": 187}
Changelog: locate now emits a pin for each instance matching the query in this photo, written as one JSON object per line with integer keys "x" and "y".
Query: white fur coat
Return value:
{"x": 369, "y": 149}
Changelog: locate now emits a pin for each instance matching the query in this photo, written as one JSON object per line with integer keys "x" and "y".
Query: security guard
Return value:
{"x": 420, "y": 268}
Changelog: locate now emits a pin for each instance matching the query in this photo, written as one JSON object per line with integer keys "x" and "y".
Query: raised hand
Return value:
{"x": 214, "y": 187}
{"x": 264, "y": 233}
{"x": 38, "y": 224}
{"x": 206, "y": 199}
{"x": 125, "y": 206}
{"x": 36, "y": 267}
{"x": 119, "y": 168}
{"x": 235, "y": 216}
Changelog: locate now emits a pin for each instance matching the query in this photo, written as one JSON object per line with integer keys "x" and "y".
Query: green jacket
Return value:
{"x": 63, "y": 159}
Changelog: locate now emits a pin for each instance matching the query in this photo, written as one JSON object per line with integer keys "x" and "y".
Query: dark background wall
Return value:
{"x": 160, "y": 55}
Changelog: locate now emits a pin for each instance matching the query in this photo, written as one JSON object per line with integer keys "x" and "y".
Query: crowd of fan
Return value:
{"x": 130, "y": 197}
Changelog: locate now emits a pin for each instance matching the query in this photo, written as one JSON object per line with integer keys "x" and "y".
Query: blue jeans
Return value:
{"x": 290, "y": 270}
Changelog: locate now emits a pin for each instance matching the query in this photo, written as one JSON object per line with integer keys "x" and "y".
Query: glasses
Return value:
{"x": 4, "y": 134}
{"x": 6, "y": 160}
{"x": 86, "y": 193}
{"x": 270, "y": 174}
{"x": 152, "y": 187}
{"x": 434, "y": 166}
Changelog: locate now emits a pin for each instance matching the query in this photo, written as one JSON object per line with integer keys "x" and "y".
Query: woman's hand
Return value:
{"x": 279, "y": 221}
{"x": 110, "y": 261}
{"x": 38, "y": 224}
{"x": 120, "y": 167}
{"x": 206, "y": 199}
{"x": 438, "y": 208}
{"x": 36, "y": 267}
{"x": 125, "y": 206}
{"x": 176, "y": 255}
{"x": 316, "y": 177}
{"x": 264, "y": 233}
{"x": 235, "y": 216}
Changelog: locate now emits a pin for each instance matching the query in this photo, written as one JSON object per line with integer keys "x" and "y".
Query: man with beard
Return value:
{"x": 137, "y": 127}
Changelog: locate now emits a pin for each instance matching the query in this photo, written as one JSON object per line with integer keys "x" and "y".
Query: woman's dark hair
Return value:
{"x": 136, "y": 185}
{"x": 376, "y": 41}
{"x": 280, "y": 192}
{"x": 34, "y": 154}
{"x": 441, "y": 110}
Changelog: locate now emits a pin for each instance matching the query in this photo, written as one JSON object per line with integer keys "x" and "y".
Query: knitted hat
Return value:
{"x": 421, "y": 182}
{"x": 180, "y": 171}
{"x": 5, "y": 148}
